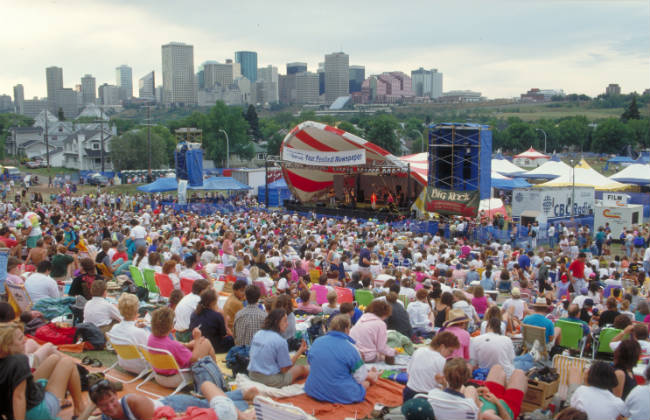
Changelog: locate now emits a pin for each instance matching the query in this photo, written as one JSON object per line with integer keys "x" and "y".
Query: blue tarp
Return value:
{"x": 509, "y": 184}
{"x": 194, "y": 162}
{"x": 278, "y": 192}
{"x": 620, "y": 159}
{"x": 215, "y": 183}
{"x": 160, "y": 185}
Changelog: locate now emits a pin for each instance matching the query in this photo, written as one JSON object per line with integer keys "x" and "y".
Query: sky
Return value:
{"x": 501, "y": 48}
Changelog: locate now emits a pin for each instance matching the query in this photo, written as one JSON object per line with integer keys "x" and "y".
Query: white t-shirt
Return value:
{"x": 518, "y": 304}
{"x": 39, "y": 286}
{"x": 598, "y": 403}
{"x": 184, "y": 310}
{"x": 422, "y": 369}
{"x": 638, "y": 402}
{"x": 644, "y": 344}
{"x": 138, "y": 232}
{"x": 127, "y": 333}
{"x": 101, "y": 312}
{"x": 493, "y": 349}
{"x": 447, "y": 406}
{"x": 419, "y": 314}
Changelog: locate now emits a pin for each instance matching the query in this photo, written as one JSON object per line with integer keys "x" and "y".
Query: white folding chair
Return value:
{"x": 268, "y": 409}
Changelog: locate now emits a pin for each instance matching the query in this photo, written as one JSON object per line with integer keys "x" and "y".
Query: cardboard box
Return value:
{"x": 539, "y": 394}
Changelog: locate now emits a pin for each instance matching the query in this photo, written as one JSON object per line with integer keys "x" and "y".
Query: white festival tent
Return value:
{"x": 585, "y": 176}
{"x": 505, "y": 167}
{"x": 550, "y": 169}
{"x": 633, "y": 174}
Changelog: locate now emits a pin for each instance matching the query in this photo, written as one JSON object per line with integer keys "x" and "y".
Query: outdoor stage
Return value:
{"x": 361, "y": 211}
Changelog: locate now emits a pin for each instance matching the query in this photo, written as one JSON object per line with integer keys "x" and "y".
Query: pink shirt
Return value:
{"x": 463, "y": 338}
{"x": 480, "y": 304}
{"x": 181, "y": 353}
{"x": 309, "y": 308}
{"x": 227, "y": 247}
{"x": 370, "y": 335}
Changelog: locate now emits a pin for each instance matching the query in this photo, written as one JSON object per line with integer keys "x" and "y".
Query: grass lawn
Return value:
{"x": 106, "y": 357}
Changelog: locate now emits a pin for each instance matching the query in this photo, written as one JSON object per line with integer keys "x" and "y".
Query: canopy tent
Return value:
{"x": 505, "y": 167}
{"x": 625, "y": 160}
{"x": 311, "y": 180}
{"x": 488, "y": 207}
{"x": 644, "y": 157}
{"x": 550, "y": 169}
{"x": 215, "y": 183}
{"x": 633, "y": 174}
{"x": 504, "y": 183}
{"x": 278, "y": 192}
{"x": 585, "y": 176}
{"x": 530, "y": 157}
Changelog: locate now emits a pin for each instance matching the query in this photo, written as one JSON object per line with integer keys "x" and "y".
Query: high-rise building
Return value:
{"x": 337, "y": 76}
{"x": 124, "y": 80}
{"x": 218, "y": 74}
{"x": 19, "y": 99}
{"x": 269, "y": 77}
{"x": 427, "y": 83}
{"x": 88, "y": 90}
{"x": 307, "y": 88}
{"x": 357, "y": 76}
{"x": 109, "y": 95}
{"x": 6, "y": 104}
{"x": 613, "y": 89}
{"x": 147, "y": 86}
{"x": 321, "y": 78}
{"x": 35, "y": 106}
{"x": 296, "y": 67}
{"x": 287, "y": 88}
{"x": 178, "y": 74}
{"x": 248, "y": 61}
{"x": 66, "y": 101}
{"x": 54, "y": 79}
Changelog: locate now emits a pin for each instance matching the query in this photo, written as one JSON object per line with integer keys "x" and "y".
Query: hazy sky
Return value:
{"x": 500, "y": 48}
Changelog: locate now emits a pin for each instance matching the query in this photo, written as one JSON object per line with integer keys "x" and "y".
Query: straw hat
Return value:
{"x": 540, "y": 303}
{"x": 456, "y": 316}
{"x": 515, "y": 292}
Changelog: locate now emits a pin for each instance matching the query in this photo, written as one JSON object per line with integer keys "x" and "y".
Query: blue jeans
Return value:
{"x": 180, "y": 402}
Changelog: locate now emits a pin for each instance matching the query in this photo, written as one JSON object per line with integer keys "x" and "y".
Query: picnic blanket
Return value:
{"x": 53, "y": 307}
{"x": 385, "y": 392}
{"x": 244, "y": 382}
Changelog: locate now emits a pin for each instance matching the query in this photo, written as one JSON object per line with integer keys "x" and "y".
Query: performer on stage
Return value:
{"x": 373, "y": 200}
{"x": 332, "y": 196}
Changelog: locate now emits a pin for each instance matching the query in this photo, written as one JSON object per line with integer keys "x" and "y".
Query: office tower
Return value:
{"x": 54, "y": 79}
{"x": 33, "y": 107}
{"x": 307, "y": 88}
{"x": 178, "y": 74}
{"x": 269, "y": 77}
{"x": 613, "y": 89}
{"x": 66, "y": 100}
{"x": 296, "y": 67}
{"x": 287, "y": 88}
{"x": 19, "y": 99}
{"x": 248, "y": 62}
{"x": 427, "y": 83}
{"x": 124, "y": 80}
{"x": 6, "y": 105}
{"x": 88, "y": 90}
{"x": 147, "y": 86}
{"x": 357, "y": 76}
{"x": 109, "y": 94}
{"x": 217, "y": 74}
{"x": 321, "y": 78}
{"x": 337, "y": 76}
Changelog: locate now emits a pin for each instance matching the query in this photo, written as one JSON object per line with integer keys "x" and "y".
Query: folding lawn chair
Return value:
{"x": 164, "y": 283}
{"x": 363, "y": 297}
{"x": 125, "y": 352}
{"x": 605, "y": 337}
{"x": 268, "y": 409}
{"x": 572, "y": 337}
{"x": 136, "y": 275}
{"x": 163, "y": 360}
{"x": 530, "y": 334}
{"x": 186, "y": 285}
{"x": 18, "y": 297}
{"x": 150, "y": 280}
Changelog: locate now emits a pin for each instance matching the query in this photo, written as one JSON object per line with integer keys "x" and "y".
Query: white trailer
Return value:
{"x": 619, "y": 217}
{"x": 549, "y": 203}
{"x": 251, "y": 177}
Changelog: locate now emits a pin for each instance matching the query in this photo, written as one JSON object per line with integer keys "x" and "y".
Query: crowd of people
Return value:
{"x": 463, "y": 305}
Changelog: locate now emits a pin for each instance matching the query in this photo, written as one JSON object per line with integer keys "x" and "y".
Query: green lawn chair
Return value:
{"x": 605, "y": 337}
{"x": 150, "y": 280}
{"x": 572, "y": 335}
{"x": 363, "y": 297}
{"x": 136, "y": 275}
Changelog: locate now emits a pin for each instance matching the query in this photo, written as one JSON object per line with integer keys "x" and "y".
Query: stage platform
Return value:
{"x": 362, "y": 211}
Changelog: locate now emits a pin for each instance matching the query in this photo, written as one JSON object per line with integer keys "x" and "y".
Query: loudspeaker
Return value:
{"x": 460, "y": 157}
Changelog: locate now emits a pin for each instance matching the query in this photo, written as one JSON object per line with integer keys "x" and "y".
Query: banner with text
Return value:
{"x": 460, "y": 203}
{"x": 316, "y": 158}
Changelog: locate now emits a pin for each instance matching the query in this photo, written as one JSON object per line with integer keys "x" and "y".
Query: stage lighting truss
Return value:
{"x": 451, "y": 155}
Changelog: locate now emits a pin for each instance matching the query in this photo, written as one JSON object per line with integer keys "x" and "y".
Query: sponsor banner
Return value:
{"x": 615, "y": 199}
{"x": 182, "y": 192}
{"x": 316, "y": 158}
{"x": 461, "y": 203}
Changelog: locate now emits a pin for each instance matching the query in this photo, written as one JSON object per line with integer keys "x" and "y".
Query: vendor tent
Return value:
{"x": 624, "y": 160}
{"x": 215, "y": 183}
{"x": 504, "y": 183}
{"x": 160, "y": 185}
{"x": 634, "y": 174}
{"x": 550, "y": 169}
{"x": 505, "y": 167}
{"x": 530, "y": 157}
{"x": 278, "y": 192}
{"x": 488, "y": 207}
{"x": 585, "y": 176}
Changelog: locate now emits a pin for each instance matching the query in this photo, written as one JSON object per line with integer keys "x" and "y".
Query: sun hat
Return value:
{"x": 456, "y": 316}
{"x": 515, "y": 292}
{"x": 540, "y": 302}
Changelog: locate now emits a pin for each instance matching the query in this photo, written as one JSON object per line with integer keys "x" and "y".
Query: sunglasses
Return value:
{"x": 98, "y": 386}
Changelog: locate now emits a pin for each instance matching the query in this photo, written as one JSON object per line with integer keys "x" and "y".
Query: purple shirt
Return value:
{"x": 181, "y": 353}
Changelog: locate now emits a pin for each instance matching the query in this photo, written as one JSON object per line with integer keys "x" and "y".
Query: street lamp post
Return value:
{"x": 227, "y": 147}
{"x": 421, "y": 140}
{"x": 544, "y": 132}
{"x": 573, "y": 189}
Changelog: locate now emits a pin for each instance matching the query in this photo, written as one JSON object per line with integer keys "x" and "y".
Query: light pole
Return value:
{"x": 227, "y": 147}
{"x": 573, "y": 189}
{"x": 421, "y": 139}
{"x": 544, "y": 132}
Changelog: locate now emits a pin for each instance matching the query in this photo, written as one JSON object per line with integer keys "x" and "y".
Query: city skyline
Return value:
{"x": 579, "y": 46}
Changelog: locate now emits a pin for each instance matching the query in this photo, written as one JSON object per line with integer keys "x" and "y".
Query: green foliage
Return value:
{"x": 574, "y": 131}
{"x": 639, "y": 131}
{"x": 59, "y": 114}
{"x": 349, "y": 127}
{"x": 272, "y": 133}
{"x": 130, "y": 151}
{"x": 253, "y": 122}
{"x": 382, "y": 132}
{"x": 631, "y": 112}
{"x": 11, "y": 120}
{"x": 610, "y": 136}
{"x": 123, "y": 125}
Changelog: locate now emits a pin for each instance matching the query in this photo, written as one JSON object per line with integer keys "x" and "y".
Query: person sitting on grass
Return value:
{"x": 370, "y": 333}
{"x": 34, "y": 395}
{"x": 306, "y": 305}
{"x": 338, "y": 374}
{"x": 455, "y": 400}
{"x": 331, "y": 306}
{"x": 98, "y": 310}
{"x": 501, "y": 398}
{"x": 210, "y": 322}
{"x": 270, "y": 363}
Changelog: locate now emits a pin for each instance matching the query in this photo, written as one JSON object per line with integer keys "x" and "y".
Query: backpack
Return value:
{"x": 639, "y": 241}
{"x": 237, "y": 359}
{"x": 55, "y": 334}
{"x": 91, "y": 334}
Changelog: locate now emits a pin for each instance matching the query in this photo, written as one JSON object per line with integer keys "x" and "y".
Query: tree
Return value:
{"x": 631, "y": 112}
{"x": 639, "y": 131}
{"x": 253, "y": 122}
{"x": 610, "y": 136}
{"x": 349, "y": 127}
{"x": 574, "y": 131}
{"x": 59, "y": 114}
{"x": 381, "y": 131}
{"x": 130, "y": 151}
{"x": 11, "y": 120}
{"x": 123, "y": 125}
{"x": 522, "y": 136}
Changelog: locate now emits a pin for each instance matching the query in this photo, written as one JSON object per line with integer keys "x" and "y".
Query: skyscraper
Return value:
{"x": 88, "y": 90}
{"x": 66, "y": 101}
{"x": 109, "y": 94}
{"x": 337, "y": 76}
{"x": 248, "y": 61}
{"x": 147, "y": 86}
{"x": 19, "y": 99}
{"x": 217, "y": 74}
{"x": 357, "y": 76}
{"x": 124, "y": 80}
{"x": 178, "y": 74}
{"x": 296, "y": 67}
{"x": 54, "y": 79}
{"x": 427, "y": 83}
{"x": 269, "y": 77}
{"x": 307, "y": 88}
{"x": 321, "y": 78}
